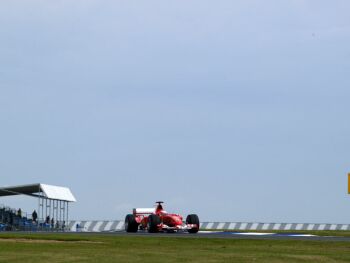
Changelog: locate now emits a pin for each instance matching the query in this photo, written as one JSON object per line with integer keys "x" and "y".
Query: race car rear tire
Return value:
{"x": 153, "y": 222}
{"x": 131, "y": 225}
{"x": 192, "y": 219}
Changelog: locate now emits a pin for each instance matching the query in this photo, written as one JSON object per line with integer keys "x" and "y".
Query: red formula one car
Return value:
{"x": 158, "y": 220}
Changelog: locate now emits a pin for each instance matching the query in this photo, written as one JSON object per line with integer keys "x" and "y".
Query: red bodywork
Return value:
{"x": 168, "y": 222}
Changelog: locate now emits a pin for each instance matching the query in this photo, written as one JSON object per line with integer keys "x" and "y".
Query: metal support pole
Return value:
{"x": 42, "y": 208}
{"x": 56, "y": 208}
{"x": 67, "y": 214}
{"x": 48, "y": 205}
{"x": 60, "y": 209}
{"x": 63, "y": 210}
{"x": 38, "y": 206}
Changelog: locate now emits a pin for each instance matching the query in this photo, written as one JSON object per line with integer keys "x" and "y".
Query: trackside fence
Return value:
{"x": 118, "y": 225}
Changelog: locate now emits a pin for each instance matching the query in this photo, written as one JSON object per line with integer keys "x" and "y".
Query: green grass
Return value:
{"x": 108, "y": 248}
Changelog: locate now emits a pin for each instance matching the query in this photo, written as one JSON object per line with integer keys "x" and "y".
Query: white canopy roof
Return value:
{"x": 49, "y": 191}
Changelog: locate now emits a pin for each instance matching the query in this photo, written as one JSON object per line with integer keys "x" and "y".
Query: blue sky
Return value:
{"x": 235, "y": 110}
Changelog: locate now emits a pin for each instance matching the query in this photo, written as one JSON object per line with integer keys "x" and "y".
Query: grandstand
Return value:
{"x": 52, "y": 213}
{"x": 10, "y": 220}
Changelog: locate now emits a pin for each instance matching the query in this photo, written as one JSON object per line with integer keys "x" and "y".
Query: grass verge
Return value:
{"x": 108, "y": 248}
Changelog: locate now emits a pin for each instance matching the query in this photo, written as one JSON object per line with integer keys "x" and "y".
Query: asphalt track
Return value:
{"x": 229, "y": 235}
{"x": 211, "y": 234}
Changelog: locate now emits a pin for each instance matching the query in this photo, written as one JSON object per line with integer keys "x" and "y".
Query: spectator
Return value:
{"x": 34, "y": 216}
{"x": 47, "y": 221}
{"x": 19, "y": 213}
{"x": 52, "y": 223}
{"x": 11, "y": 219}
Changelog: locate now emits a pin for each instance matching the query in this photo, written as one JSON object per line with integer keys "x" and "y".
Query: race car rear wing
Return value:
{"x": 138, "y": 211}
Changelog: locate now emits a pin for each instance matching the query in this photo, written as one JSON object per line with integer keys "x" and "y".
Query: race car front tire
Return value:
{"x": 153, "y": 222}
{"x": 192, "y": 220}
{"x": 131, "y": 225}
